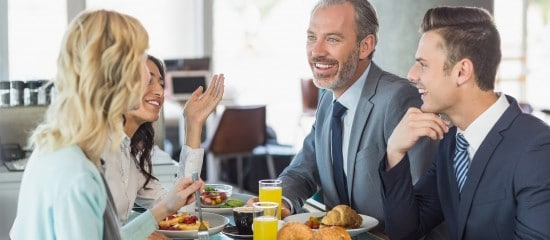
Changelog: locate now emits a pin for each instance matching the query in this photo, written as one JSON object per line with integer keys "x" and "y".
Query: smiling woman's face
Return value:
{"x": 152, "y": 99}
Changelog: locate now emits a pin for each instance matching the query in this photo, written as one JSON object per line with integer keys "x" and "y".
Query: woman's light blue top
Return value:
{"x": 62, "y": 196}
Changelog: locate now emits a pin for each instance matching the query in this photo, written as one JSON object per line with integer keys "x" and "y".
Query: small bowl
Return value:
{"x": 215, "y": 194}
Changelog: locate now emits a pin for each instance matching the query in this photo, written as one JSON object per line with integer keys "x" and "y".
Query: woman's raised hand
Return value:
{"x": 198, "y": 108}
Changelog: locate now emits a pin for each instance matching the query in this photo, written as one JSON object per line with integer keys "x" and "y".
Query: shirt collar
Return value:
{"x": 126, "y": 141}
{"x": 125, "y": 144}
{"x": 480, "y": 127}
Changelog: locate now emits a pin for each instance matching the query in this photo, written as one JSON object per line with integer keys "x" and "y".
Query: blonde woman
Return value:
{"x": 102, "y": 73}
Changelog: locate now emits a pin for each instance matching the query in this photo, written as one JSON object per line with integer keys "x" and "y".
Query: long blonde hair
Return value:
{"x": 99, "y": 77}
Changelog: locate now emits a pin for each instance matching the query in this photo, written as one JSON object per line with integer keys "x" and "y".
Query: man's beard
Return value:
{"x": 348, "y": 69}
{"x": 345, "y": 74}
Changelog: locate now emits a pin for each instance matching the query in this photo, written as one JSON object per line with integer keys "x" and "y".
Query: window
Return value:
{"x": 174, "y": 26}
{"x": 525, "y": 33}
{"x": 260, "y": 46}
{"x": 35, "y": 30}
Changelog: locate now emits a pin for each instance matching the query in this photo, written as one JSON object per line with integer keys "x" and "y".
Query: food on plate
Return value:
{"x": 232, "y": 203}
{"x": 181, "y": 221}
{"x": 331, "y": 233}
{"x": 300, "y": 231}
{"x": 215, "y": 194}
{"x": 343, "y": 216}
{"x": 294, "y": 231}
{"x": 314, "y": 222}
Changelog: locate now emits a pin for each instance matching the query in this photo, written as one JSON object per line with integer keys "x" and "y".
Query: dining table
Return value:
{"x": 311, "y": 205}
{"x": 363, "y": 236}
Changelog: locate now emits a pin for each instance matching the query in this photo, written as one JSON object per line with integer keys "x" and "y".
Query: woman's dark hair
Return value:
{"x": 143, "y": 140}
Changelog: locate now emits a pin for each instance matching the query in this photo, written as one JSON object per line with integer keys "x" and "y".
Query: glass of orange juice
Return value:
{"x": 265, "y": 223}
{"x": 271, "y": 190}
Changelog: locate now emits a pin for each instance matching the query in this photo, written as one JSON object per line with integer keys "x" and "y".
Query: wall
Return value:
{"x": 398, "y": 33}
{"x": 17, "y": 123}
{"x": 4, "y": 72}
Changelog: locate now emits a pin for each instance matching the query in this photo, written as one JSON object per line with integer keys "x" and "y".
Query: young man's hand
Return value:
{"x": 414, "y": 125}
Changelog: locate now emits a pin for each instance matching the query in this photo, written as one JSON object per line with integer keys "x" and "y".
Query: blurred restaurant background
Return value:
{"x": 269, "y": 102}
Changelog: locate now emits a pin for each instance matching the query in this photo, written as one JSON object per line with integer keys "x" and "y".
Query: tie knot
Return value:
{"x": 461, "y": 143}
{"x": 338, "y": 109}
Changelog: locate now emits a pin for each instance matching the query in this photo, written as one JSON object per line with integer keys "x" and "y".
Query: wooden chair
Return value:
{"x": 239, "y": 131}
{"x": 310, "y": 99}
{"x": 310, "y": 96}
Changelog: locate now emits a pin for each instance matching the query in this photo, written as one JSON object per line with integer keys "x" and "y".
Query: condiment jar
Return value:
{"x": 31, "y": 93}
{"x": 50, "y": 94}
{"x": 5, "y": 93}
{"x": 17, "y": 93}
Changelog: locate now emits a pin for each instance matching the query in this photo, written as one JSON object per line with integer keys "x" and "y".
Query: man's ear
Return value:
{"x": 366, "y": 46}
{"x": 464, "y": 71}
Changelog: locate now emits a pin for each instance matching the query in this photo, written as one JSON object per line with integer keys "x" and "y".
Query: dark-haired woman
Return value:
{"x": 128, "y": 170}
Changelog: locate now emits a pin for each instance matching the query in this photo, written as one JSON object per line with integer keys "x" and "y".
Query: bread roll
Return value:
{"x": 331, "y": 233}
{"x": 294, "y": 231}
{"x": 343, "y": 216}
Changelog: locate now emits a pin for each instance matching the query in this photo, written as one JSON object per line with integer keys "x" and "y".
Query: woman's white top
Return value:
{"x": 126, "y": 181}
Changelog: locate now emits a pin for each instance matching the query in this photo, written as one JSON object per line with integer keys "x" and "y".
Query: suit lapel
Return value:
{"x": 480, "y": 161}
{"x": 447, "y": 186}
{"x": 478, "y": 165}
{"x": 359, "y": 124}
{"x": 323, "y": 147}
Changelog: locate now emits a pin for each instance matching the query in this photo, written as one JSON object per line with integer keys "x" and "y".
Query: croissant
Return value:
{"x": 294, "y": 231}
{"x": 343, "y": 216}
{"x": 331, "y": 233}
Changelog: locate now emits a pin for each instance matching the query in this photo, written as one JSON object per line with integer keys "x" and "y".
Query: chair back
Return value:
{"x": 310, "y": 95}
{"x": 240, "y": 129}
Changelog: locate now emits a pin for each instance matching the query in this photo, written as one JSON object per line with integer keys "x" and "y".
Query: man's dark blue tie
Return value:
{"x": 337, "y": 157}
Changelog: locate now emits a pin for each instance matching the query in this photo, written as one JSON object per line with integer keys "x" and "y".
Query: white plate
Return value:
{"x": 228, "y": 211}
{"x": 217, "y": 223}
{"x": 233, "y": 232}
{"x": 368, "y": 222}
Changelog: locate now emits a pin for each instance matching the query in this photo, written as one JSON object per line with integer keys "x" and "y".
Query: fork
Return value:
{"x": 203, "y": 230}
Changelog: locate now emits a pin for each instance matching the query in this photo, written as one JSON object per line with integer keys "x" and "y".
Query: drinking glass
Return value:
{"x": 265, "y": 224}
{"x": 271, "y": 190}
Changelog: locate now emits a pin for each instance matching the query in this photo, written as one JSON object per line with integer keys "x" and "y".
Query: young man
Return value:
{"x": 343, "y": 162}
{"x": 490, "y": 178}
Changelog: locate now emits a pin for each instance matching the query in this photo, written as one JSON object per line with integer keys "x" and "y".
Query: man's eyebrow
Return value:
{"x": 328, "y": 34}
{"x": 335, "y": 34}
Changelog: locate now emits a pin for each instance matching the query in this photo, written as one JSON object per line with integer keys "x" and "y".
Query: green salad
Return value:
{"x": 232, "y": 202}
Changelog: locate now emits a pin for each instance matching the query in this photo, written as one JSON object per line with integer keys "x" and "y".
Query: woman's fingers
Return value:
{"x": 197, "y": 94}
{"x": 220, "y": 87}
{"x": 216, "y": 86}
{"x": 183, "y": 183}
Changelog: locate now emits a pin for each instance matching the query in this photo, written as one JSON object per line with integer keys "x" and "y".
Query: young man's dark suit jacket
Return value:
{"x": 506, "y": 194}
{"x": 384, "y": 100}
